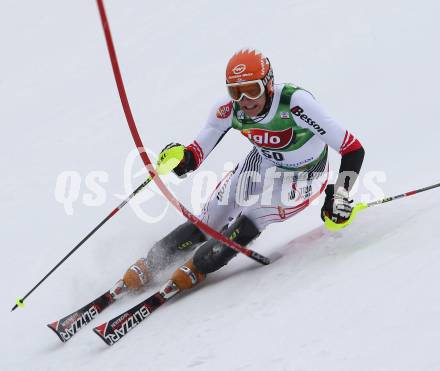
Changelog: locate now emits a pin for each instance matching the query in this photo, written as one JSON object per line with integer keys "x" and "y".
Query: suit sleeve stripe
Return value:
{"x": 345, "y": 138}
{"x": 349, "y": 144}
{"x": 197, "y": 151}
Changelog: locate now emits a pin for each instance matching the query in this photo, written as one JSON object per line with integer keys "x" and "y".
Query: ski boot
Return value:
{"x": 137, "y": 275}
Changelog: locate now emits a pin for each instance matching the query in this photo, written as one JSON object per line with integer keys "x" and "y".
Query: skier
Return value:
{"x": 285, "y": 170}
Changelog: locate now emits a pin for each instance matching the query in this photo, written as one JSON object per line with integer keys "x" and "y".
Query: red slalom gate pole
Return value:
{"x": 138, "y": 142}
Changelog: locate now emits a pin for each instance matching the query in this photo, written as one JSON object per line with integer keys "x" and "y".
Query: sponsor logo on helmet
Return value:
{"x": 284, "y": 115}
{"x": 299, "y": 112}
{"x": 269, "y": 139}
{"x": 224, "y": 111}
{"x": 239, "y": 69}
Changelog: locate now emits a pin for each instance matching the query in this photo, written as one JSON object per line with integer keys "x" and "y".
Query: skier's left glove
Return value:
{"x": 337, "y": 205}
{"x": 187, "y": 161}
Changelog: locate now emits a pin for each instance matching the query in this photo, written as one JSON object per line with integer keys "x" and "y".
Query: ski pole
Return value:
{"x": 332, "y": 226}
{"x": 164, "y": 166}
{"x": 20, "y": 301}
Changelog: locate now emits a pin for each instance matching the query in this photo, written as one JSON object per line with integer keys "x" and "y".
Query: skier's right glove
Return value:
{"x": 187, "y": 163}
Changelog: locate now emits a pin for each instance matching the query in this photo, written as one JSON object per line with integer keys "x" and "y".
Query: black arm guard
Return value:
{"x": 187, "y": 164}
{"x": 351, "y": 164}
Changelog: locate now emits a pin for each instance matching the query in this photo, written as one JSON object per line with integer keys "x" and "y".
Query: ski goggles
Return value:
{"x": 250, "y": 89}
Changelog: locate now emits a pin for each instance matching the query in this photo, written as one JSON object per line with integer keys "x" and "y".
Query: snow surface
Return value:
{"x": 365, "y": 298}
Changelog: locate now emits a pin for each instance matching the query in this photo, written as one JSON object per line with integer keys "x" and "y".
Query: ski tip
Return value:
{"x": 98, "y": 331}
{"x": 54, "y": 327}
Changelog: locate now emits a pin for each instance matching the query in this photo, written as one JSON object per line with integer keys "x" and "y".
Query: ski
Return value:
{"x": 112, "y": 331}
{"x": 68, "y": 326}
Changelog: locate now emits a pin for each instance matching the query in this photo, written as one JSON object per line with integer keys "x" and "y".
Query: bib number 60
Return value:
{"x": 277, "y": 156}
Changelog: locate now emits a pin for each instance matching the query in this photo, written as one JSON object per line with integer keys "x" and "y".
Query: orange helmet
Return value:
{"x": 249, "y": 65}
